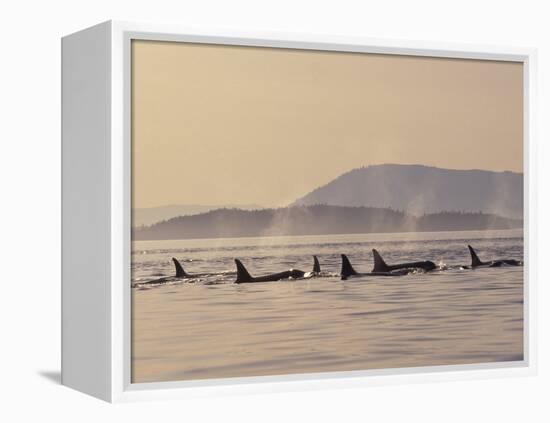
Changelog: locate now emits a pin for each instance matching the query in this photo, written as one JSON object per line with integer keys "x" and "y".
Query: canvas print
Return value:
{"x": 299, "y": 211}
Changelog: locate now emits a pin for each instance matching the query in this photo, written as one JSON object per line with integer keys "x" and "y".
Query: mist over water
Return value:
{"x": 209, "y": 327}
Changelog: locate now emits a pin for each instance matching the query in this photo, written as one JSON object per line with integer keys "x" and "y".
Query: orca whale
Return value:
{"x": 381, "y": 266}
{"x": 244, "y": 277}
{"x": 180, "y": 274}
{"x": 476, "y": 262}
{"x": 348, "y": 271}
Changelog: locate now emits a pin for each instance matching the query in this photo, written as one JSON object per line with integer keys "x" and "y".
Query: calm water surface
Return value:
{"x": 209, "y": 327}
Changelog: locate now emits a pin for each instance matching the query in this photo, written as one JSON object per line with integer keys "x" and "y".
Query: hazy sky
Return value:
{"x": 240, "y": 125}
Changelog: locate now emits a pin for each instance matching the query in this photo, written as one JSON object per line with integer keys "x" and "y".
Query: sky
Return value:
{"x": 217, "y": 125}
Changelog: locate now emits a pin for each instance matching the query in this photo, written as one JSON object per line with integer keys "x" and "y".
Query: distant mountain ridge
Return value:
{"x": 418, "y": 189}
{"x": 150, "y": 215}
{"x": 315, "y": 220}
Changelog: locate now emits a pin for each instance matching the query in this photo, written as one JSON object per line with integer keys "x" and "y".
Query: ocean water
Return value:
{"x": 209, "y": 327}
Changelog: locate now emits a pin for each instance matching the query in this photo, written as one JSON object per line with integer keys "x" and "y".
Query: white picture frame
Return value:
{"x": 96, "y": 209}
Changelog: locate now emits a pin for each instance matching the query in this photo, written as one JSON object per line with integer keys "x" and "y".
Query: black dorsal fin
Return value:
{"x": 316, "y": 265}
{"x": 242, "y": 273}
{"x": 347, "y": 268}
{"x": 379, "y": 263}
{"x": 180, "y": 273}
{"x": 475, "y": 259}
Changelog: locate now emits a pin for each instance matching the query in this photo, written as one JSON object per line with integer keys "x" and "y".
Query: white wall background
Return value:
{"x": 30, "y": 206}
